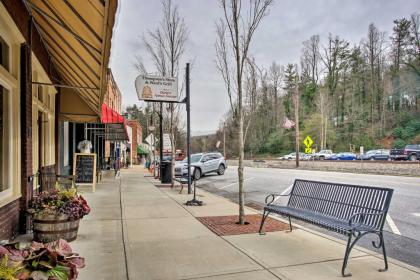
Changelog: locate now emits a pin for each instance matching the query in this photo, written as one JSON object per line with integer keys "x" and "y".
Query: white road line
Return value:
{"x": 416, "y": 214}
{"x": 283, "y": 193}
{"x": 224, "y": 187}
{"x": 392, "y": 225}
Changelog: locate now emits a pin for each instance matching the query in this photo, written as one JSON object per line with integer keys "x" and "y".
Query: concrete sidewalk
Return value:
{"x": 139, "y": 231}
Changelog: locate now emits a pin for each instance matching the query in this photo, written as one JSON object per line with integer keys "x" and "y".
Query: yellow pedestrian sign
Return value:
{"x": 308, "y": 150}
{"x": 308, "y": 142}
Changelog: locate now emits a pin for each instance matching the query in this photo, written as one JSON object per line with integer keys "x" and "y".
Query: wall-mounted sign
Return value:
{"x": 155, "y": 88}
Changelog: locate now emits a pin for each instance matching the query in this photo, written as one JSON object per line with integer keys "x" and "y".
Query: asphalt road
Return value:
{"x": 403, "y": 224}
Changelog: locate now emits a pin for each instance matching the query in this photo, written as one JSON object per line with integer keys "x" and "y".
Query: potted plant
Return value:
{"x": 56, "y": 214}
{"x": 38, "y": 261}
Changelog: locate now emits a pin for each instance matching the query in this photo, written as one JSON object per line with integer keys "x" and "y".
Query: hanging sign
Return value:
{"x": 155, "y": 88}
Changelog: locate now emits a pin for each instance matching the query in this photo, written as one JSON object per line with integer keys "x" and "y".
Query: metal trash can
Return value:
{"x": 166, "y": 172}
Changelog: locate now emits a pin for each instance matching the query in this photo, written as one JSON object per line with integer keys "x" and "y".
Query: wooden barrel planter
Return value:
{"x": 49, "y": 228}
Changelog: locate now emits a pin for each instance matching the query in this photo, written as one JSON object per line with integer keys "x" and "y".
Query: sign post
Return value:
{"x": 165, "y": 89}
{"x": 194, "y": 201}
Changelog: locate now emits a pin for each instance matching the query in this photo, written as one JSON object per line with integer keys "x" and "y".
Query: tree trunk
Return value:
{"x": 297, "y": 125}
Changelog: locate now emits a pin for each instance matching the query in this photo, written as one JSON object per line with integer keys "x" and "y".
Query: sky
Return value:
{"x": 278, "y": 38}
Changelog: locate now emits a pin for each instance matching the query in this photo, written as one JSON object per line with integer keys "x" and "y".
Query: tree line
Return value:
{"x": 366, "y": 94}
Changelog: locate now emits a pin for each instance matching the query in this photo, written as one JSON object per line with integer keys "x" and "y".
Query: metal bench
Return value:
{"x": 183, "y": 181}
{"x": 351, "y": 210}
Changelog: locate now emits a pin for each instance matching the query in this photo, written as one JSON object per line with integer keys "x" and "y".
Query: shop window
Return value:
{"x": 3, "y": 137}
{"x": 4, "y": 54}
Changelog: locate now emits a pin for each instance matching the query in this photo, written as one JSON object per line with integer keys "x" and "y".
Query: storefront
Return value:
{"x": 50, "y": 51}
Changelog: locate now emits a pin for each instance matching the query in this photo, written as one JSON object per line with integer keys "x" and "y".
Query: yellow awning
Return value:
{"x": 74, "y": 109}
{"x": 77, "y": 35}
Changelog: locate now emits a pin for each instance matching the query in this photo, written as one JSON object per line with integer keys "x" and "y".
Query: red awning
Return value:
{"x": 115, "y": 125}
{"x": 110, "y": 116}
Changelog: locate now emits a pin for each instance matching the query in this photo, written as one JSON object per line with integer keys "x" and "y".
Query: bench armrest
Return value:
{"x": 363, "y": 215}
{"x": 273, "y": 197}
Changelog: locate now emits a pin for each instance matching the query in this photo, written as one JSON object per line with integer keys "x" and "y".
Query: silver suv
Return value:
{"x": 204, "y": 163}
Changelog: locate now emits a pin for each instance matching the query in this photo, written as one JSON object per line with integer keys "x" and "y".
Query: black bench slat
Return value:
{"x": 347, "y": 209}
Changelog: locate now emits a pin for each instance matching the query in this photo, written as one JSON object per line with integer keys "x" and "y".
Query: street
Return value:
{"x": 403, "y": 222}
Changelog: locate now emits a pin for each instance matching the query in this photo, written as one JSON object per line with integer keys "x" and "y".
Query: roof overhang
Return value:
{"x": 77, "y": 36}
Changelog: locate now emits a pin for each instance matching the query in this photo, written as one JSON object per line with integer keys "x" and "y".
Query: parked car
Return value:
{"x": 343, "y": 156}
{"x": 323, "y": 154}
{"x": 292, "y": 156}
{"x": 380, "y": 154}
{"x": 288, "y": 156}
{"x": 204, "y": 163}
{"x": 410, "y": 152}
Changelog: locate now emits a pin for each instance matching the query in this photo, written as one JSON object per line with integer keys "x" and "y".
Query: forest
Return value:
{"x": 367, "y": 94}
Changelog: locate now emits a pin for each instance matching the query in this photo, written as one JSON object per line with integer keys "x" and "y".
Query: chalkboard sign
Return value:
{"x": 84, "y": 168}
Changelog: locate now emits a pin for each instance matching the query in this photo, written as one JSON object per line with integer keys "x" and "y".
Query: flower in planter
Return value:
{"x": 38, "y": 261}
{"x": 59, "y": 202}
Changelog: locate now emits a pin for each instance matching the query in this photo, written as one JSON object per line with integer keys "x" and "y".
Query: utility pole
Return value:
{"x": 297, "y": 124}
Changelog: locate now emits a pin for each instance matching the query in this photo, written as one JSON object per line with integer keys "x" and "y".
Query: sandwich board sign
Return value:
{"x": 156, "y": 88}
{"x": 84, "y": 169}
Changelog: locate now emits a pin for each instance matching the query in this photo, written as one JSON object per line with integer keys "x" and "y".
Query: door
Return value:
{"x": 206, "y": 167}
{"x": 214, "y": 162}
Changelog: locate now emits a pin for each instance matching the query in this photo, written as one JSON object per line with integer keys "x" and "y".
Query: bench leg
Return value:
{"x": 346, "y": 257}
{"x": 290, "y": 225}
{"x": 382, "y": 244}
{"x": 264, "y": 216}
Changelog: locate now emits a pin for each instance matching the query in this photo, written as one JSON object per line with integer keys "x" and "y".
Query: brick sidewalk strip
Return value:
{"x": 227, "y": 225}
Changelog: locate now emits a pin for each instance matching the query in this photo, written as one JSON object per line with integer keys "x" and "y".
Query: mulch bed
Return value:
{"x": 226, "y": 225}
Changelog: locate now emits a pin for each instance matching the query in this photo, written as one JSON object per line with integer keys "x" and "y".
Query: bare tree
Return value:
{"x": 310, "y": 59}
{"x": 276, "y": 75}
{"x": 373, "y": 46}
{"x": 240, "y": 26}
{"x": 165, "y": 45}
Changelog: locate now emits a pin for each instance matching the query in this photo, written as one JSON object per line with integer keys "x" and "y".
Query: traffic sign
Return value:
{"x": 308, "y": 142}
{"x": 308, "y": 150}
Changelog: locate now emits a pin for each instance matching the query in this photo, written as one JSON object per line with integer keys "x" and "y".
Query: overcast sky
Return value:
{"x": 279, "y": 38}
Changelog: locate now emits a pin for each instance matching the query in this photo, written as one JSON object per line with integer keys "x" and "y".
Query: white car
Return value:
{"x": 292, "y": 156}
{"x": 204, "y": 163}
{"x": 323, "y": 154}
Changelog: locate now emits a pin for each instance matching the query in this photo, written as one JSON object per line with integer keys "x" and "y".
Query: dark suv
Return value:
{"x": 410, "y": 152}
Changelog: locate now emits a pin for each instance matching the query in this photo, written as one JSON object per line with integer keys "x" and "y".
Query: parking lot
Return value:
{"x": 403, "y": 221}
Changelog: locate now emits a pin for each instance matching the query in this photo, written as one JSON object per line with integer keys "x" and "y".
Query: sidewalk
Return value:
{"x": 139, "y": 231}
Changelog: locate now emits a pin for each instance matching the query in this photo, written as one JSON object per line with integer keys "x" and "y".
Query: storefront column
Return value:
{"x": 26, "y": 134}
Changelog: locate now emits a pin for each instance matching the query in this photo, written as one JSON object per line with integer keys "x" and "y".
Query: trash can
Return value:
{"x": 166, "y": 172}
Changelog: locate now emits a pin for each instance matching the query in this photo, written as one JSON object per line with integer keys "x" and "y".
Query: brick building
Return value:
{"x": 113, "y": 100}
{"x": 53, "y": 66}
{"x": 135, "y": 139}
